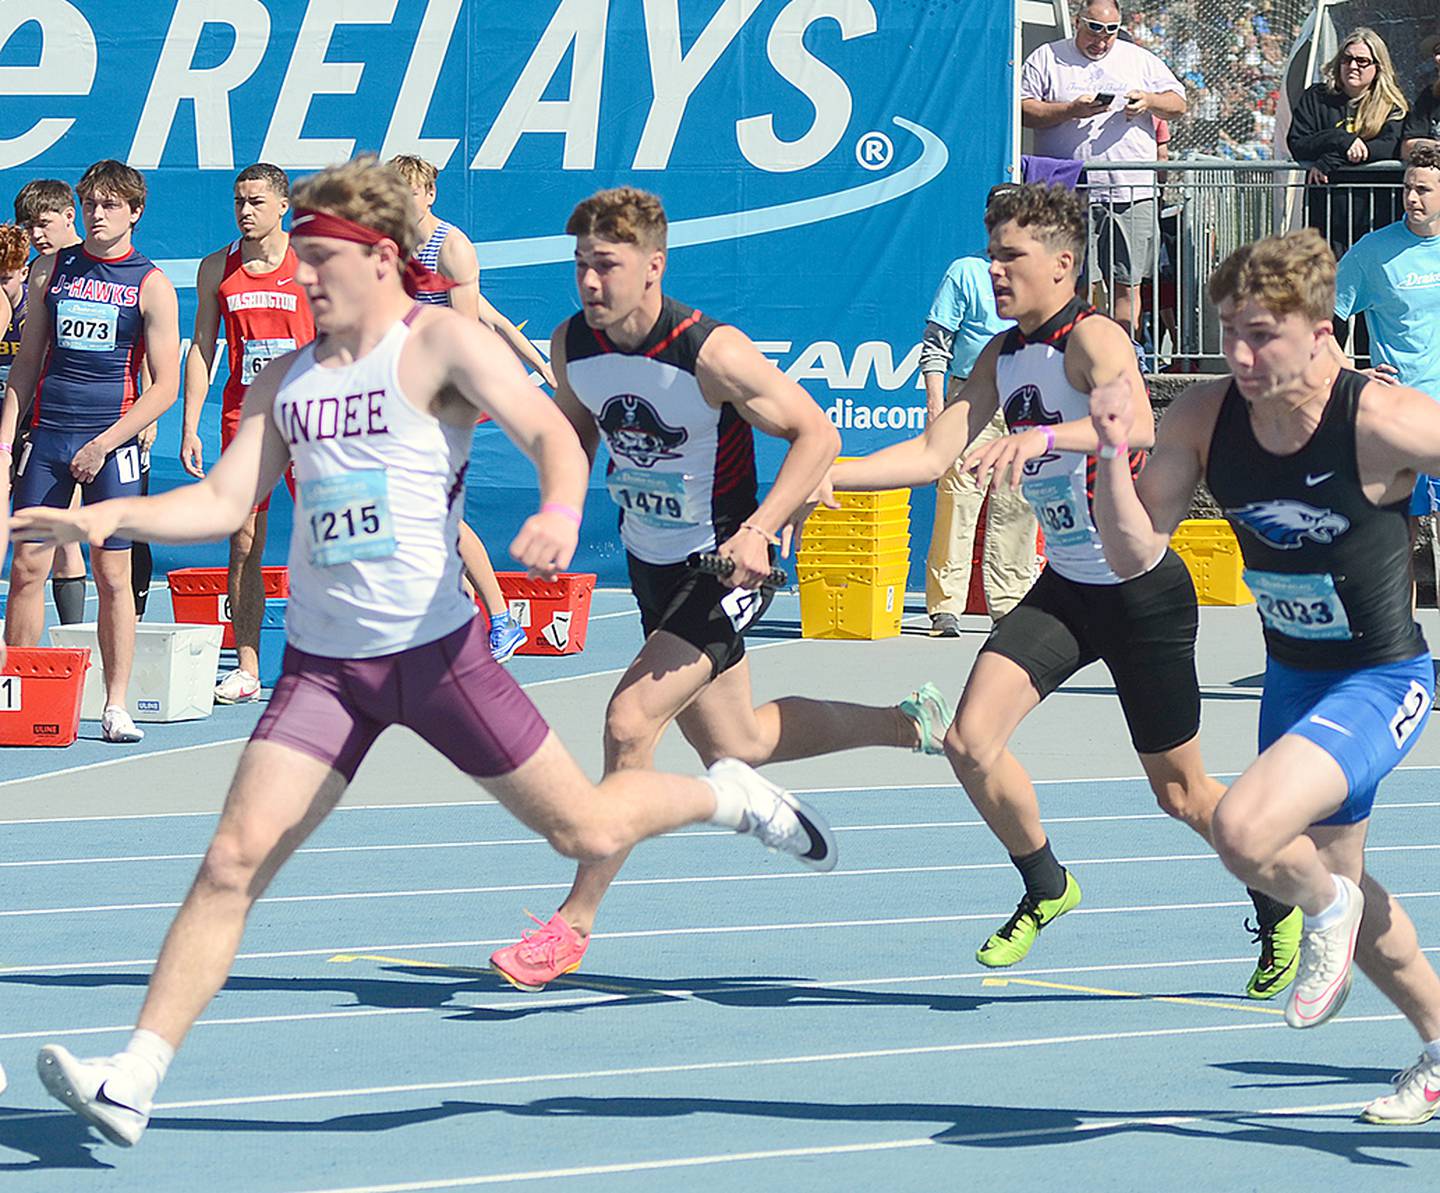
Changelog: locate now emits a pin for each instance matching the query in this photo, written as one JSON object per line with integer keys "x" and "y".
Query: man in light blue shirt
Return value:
{"x": 1393, "y": 275}
{"x": 961, "y": 322}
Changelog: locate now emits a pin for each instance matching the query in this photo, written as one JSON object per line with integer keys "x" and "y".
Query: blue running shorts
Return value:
{"x": 43, "y": 477}
{"x": 1366, "y": 719}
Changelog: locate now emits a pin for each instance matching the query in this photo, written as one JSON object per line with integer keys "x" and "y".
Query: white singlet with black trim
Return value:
{"x": 681, "y": 471}
{"x": 1034, "y": 392}
{"x": 374, "y": 561}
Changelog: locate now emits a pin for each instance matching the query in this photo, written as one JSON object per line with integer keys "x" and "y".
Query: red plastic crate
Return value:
{"x": 554, "y": 613}
{"x": 199, "y": 596}
{"x": 40, "y": 691}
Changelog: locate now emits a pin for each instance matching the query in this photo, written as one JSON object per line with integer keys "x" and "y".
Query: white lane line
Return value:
{"x": 608, "y": 616}
{"x": 872, "y": 788}
{"x": 640, "y": 992}
{"x": 848, "y": 828}
{"x": 764, "y": 1062}
{"x": 120, "y": 761}
{"x": 943, "y": 1138}
{"x": 588, "y": 996}
{"x": 685, "y": 880}
{"x": 641, "y": 934}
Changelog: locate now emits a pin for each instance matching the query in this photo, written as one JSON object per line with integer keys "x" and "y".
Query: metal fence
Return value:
{"x": 1158, "y": 230}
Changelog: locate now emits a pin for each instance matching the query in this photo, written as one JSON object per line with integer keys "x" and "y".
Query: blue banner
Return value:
{"x": 821, "y": 161}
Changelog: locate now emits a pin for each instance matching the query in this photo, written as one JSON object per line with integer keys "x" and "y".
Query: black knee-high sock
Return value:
{"x": 1271, "y": 911}
{"x": 142, "y": 567}
{"x": 1044, "y": 876}
{"x": 69, "y": 594}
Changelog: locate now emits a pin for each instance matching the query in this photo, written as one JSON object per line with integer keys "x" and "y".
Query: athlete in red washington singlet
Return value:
{"x": 249, "y": 286}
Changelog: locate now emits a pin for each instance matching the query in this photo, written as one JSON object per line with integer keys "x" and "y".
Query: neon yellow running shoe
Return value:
{"x": 1279, "y": 956}
{"x": 1013, "y": 941}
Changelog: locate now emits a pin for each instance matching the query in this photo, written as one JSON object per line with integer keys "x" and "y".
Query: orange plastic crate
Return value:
{"x": 199, "y": 596}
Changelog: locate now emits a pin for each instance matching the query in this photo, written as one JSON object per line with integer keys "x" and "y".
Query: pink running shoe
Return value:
{"x": 541, "y": 955}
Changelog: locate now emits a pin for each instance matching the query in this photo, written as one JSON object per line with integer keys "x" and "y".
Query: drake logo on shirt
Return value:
{"x": 1026, "y": 408}
{"x": 1288, "y": 524}
{"x": 634, "y": 430}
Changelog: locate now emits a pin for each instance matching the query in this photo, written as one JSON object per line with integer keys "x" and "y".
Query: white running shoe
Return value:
{"x": 778, "y": 819}
{"x": 1415, "y": 1100}
{"x": 117, "y": 726}
{"x": 112, "y": 1093}
{"x": 1326, "y": 964}
{"x": 238, "y": 687}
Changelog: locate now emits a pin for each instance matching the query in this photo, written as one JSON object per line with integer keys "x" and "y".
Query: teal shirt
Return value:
{"x": 965, "y": 304}
{"x": 1394, "y": 277}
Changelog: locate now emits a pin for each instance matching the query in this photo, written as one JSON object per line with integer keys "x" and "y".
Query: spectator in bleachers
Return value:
{"x": 1422, "y": 124}
{"x": 1098, "y": 97}
{"x": 1353, "y": 116}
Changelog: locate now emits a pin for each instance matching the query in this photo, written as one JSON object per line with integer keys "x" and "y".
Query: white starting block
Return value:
{"x": 174, "y": 674}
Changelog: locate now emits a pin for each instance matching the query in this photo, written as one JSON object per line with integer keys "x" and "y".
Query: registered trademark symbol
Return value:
{"x": 874, "y": 151}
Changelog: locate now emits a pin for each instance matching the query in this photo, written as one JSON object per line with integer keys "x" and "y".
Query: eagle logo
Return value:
{"x": 1288, "y": 524}
{"x": 634, "y": 430}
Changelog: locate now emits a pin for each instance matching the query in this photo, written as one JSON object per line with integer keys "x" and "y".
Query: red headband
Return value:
{"x": 415, "y": 277}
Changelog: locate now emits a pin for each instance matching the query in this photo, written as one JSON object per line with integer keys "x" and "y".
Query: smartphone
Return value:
{"x": 1105, "y": 97}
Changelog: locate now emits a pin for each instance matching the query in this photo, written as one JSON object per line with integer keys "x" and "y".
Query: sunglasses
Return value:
{"x": 1361, "y": 63}
{"x": 1109, "y": 28}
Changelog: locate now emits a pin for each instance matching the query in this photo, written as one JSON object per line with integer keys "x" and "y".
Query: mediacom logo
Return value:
{"x": 571, "y": 57}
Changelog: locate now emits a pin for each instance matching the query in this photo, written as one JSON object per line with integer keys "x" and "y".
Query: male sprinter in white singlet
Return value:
{"x": 675, "y": 396}
{"x": 377, "y": 416}
{"x": 1143, "y": 627}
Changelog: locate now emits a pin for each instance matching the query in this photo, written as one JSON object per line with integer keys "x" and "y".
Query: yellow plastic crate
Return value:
{"x": 1210, "y": 551}
{"x": 884, "y": 499}
{"x": 871, "y": 564}
{"x": 830, "y": 542}
{"x": 841, "y": 605}
{"x": 888, "y": 520}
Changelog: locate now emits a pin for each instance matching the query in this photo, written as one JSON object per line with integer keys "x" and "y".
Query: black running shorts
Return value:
{"x": 697, "y": 608}
{"x": 1142, "y": 629}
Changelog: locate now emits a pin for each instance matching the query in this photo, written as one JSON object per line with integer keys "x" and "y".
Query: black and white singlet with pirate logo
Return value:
{"x": 681, "y": 471}
{"x": 1035, "y": 392}
{"x": 1330, "y": 572}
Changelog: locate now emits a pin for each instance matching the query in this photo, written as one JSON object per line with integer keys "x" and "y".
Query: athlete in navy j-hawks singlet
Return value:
{"x": 89, "y": 379}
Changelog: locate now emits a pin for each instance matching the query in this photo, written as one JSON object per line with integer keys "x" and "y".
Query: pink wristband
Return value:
{"x": 7, "y": 448}
{"x": 558, "y": 507}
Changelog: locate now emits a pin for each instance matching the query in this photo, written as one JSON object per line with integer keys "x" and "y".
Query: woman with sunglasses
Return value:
{"x": 1353, "y": 116}
{"x": 1422, "y": 125}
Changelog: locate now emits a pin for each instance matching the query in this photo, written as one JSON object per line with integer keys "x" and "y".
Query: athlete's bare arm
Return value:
{"x": 160, "y": 315}
{"x": 207, "y": 511}
{"x": 454, "y": 354}
{"x": 34, "y": 339}
{"x": 729, "y": 368}
{"x": 571, "y": 407}
{"x": 1397, "y": 434}
{"x": 1097, "y": 352}
{"x": 1137, "y": 518}
{"x": 924, "y": 459}
{"x": 200, "y": 359}
{"x": 458, "y": 262}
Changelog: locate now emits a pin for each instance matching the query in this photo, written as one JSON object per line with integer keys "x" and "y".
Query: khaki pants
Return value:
{"x": 1009, "y": 558}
